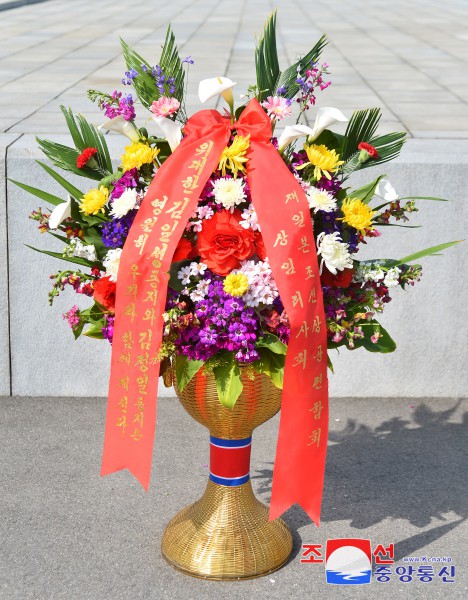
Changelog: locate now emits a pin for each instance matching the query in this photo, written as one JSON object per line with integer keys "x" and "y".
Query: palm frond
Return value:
{"x": 71, "y": 189}
{"x": 144, "y": 83}
{"x": 388, "y": 147}
{"x": 361, "y": 127}
{"x": 266, "y": 60}
{"x": 288, "y": 78}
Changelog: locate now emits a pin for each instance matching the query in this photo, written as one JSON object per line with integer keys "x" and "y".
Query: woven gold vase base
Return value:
{"x": 226, "y": 535}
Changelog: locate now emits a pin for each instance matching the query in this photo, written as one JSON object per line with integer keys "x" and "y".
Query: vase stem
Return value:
{"x": 230, "y": 461}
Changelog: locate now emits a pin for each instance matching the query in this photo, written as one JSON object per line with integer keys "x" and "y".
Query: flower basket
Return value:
{"x": 222, "y": 255}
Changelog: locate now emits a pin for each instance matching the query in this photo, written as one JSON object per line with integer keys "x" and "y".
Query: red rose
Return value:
{"x": 104, "y": 293}
{"x": 342, "y": 279}
{"x": 260, "y": 246}
{"x": 223, "y": 243}
{"x": 184, "y": 250}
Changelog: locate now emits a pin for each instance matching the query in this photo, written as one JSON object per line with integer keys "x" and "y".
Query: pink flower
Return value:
{"x": 164, "y": 107}
{"x": 73, "y": 316}
{"x": 277, "y": 107}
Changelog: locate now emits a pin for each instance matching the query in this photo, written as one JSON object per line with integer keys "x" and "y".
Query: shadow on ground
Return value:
{"x": 401, "y": 469}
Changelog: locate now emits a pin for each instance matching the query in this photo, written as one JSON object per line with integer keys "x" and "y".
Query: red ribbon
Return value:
{"x": 286, "y": 226}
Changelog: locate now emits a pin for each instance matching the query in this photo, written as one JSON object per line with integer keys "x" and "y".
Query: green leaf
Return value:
{"x": 65, "y": 158}
{"x": 366, "y": 193}
{"x": 433, "y": 250}
{"x": 271, "y": 365}
{"x": 93, "y": 236}
{"x": 388, "y": 147}
{"x": 228, "y": 381}
{"x": 266, "y": 60}
{"x": 288, "y": 78}
{"x": 72, "y": 259}
{"x": 330, "y": 139}
{"x": 424, "y": 198}
{"x": 71, "y": 189}
{"x": 50, "y": 198}
{"x": 77, "y": 331}
{"x": 95, "y": 330}
{"x": 185, "y": 370}
{"x": 384, "y": 344}
{"x": 273, "y": 343}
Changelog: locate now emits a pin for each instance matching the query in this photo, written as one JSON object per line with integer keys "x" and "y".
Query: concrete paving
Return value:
{"x": 395, "y": 474}
{"x": 409, "y": 57}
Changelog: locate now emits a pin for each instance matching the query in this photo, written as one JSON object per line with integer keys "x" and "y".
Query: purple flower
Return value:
{"x": 114, "y": 233}
{"x": 188, "y": 60}
{"x": 128, "y": 180}
{"x": 108, "y": 329}
{"x": 120, "y": 105}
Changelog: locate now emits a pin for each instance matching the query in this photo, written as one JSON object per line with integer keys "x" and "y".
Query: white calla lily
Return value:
{"x": 121, "y": 125}
{"x": 171, "y": 130}
{"x": 326, "y": 116}
{"x": 215, "y": 86}
{"x": 60, "y": 213}
{"x": 386, "y": 191}
{"x": 291, "y": 133}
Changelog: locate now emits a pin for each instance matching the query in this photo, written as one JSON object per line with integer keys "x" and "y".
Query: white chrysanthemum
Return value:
{"x": 229, "y": 192}
{"x": 249, "y": 219}
{"x": 392, "y": 277}
{"x": 127, "y": 202}
{"x": 111, "y": 263}
{"x": 321, "y": 200}
{"x": 334, "y": 252}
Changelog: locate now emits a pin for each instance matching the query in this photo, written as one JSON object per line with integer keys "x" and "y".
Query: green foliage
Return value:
{"x": 84, "y": 135}
{"x": 144, "y": 83}
{"x": 228, "y": 381}
{"x": 266, "y": 60}
{"x": 185, "y": 370}
{"x": 432, "y": 251}
{"x": 73, "y": 259}
{"x": 273, "y": 343}
{"x": 50, "y": 198}
{"x": 71, "y": 189}
{"x": 366, "y": 192}
{"x": 272, "y": 365}
{"x": 269, "y": 75}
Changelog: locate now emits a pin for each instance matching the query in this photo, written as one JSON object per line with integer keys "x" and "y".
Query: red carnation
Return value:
{"x": 342, "y": 279}
{"x": 104, "y": 293}
{"x": 223, "y": 243}
{"x": 83, "y": 158}
{"x": 371, "y": 151}
{"x": 184, "y": 251}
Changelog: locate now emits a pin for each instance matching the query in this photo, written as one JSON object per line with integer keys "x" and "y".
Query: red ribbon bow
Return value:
{"x": 286, "y": 226}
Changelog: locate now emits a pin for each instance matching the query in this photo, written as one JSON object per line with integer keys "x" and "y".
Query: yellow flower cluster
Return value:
{"x": 357, "y": 214}
{"x": 324, "y": 160}
{"x": 94, "y": 201}
{"x": 138, "y": 154}
{"x": 236, "y": 284}
{"x": 233, "y": 156}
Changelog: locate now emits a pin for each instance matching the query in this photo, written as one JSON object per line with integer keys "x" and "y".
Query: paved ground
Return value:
{"x": 395, "y": 474}
{"x": 409, "y": 57}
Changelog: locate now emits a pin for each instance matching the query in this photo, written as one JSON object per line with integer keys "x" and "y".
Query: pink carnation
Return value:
{"x": 277, "y": 107}
{"x": 164, "y": 107}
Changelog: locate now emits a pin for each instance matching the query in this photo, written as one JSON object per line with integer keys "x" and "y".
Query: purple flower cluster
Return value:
{"x": 108, "y": 329}
{"x": 222, "y": 323}
{"x": 128, "y": 180}
{"x": 308, "y": 83}
{"x": 163, "y": 83}
{"x": 115, "y": 232}
{"x": 120, "y": 105}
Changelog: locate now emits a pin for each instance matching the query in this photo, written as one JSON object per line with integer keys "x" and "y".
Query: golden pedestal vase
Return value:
{"x": 226, "y": 535}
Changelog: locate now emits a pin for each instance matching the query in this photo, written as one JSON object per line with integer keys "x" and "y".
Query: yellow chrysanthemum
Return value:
{"x": 138, "y": 154}
{"x": 236, "y": 284}
{"x": 233, "y": 156}
{"x": 324, "y": 160}
{"x": 94, "y": 201}
{"x": 357, "y": 214}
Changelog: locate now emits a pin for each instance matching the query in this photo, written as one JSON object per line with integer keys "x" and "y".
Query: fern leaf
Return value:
{"x": 266, "y": 60}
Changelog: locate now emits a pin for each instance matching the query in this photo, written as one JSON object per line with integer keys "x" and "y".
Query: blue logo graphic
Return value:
{"x": 348, "y": 562}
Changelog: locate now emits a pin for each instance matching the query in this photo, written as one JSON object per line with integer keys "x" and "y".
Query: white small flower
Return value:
{"x": 123, "y": 205}
{"x": 80, "y": 250}
{"x": 374, "y": 275}
{"x": 204, "y": 212}
{"x": 229, "y": 192}
{"x": 184, "y": 274}
{"x": 194, "y": 226}
{"x": 334, "y": 252}
{"x": 321, "y": 200}
{"x": 197, "y": 269}
{"x": 305, "y": 185}
{"x": 111, "y": 263}
{"x": 201, "y": 291}
{"x": 392, "y": 277}
{"x": 249, "y": 219}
